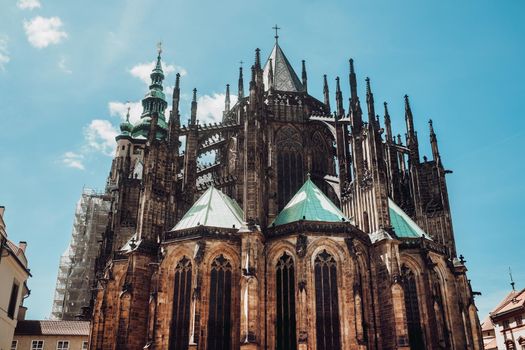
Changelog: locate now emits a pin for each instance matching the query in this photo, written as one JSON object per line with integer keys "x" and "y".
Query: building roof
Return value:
{"x": 212, "y": 209}
{"x": 45, "y": 327}
{"x": 310, "y": 204}
{"x": 284, "y": 77}
{"x": 487, "y": 324}
{"x": 404, "y": 226}
{"x": 513, "y": 301}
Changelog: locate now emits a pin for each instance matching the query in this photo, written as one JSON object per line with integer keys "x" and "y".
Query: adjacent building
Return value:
{"x": 14, "y": 273}
{"x": 51, "y": 335}
{"x": 504, "y": 328}
{"x": 76, "y": 270}
{"x": 315, "y": 228}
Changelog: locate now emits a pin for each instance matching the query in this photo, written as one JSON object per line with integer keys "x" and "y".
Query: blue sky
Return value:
{"x": 68, "y": 67}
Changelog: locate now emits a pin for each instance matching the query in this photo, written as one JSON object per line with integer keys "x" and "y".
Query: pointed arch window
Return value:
{"x": 290, "y": 165}
{"x": 285, "y": 325}
{"x": 326, "y": 302}
{"x": 180, "y": 319}
{"x": 415, "y": 333}
{"x": 219, "y": 313}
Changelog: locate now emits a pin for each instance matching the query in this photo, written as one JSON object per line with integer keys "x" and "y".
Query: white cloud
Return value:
{"x": 100, "y": 136}
{"x": 29, "y": 4}
{"x": 120, "y": 109}
{"x": 62, "y": 64}
{"x": 4, "y": 54}
{"x": 42, "y": 32}
{"x": 210, "y": 107}
{"x": 73, "y": 160}
{"x": 143, "y": 70}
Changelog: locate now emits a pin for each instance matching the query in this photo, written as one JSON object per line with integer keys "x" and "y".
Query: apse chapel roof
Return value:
{"x": 310, "y": 204}
{"x": 404, "y": 226}
{"x": 284, "y": 77}
{"x": 212, "y": 209}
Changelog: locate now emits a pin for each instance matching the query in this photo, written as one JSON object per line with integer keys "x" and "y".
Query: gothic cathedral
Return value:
{"x": 312, "y": 229}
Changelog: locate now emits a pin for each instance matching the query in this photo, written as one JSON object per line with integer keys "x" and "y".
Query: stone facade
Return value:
{"x": 383, "y": 275}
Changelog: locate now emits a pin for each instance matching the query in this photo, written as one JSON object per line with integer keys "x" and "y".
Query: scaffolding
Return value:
{"x": 77, "y": 264}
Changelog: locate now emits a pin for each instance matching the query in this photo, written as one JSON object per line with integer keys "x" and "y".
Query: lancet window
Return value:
{"x": 415, "y": 332}
{"x": 326, "y": 303}
{"x": 180, "y": 320}
{"x": 285, "y": 326}
{"x": 219, "y": 312}
{"x": 290, "y": 164}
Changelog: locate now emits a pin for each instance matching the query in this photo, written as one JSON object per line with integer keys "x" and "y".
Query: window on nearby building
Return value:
{"x": 62, "y": 345}
{"x": 13, "y": 300}
{"x": 415, "y": 333}
{"x": 219, "y": 313}
{"x": 510, "y": 345}
{"x": 518, "y": 321}
{"x": 285, "y": 300}
{"x": 37, "y": 345}
{"x": 326, "y": 302}
{"x": 180, "y": 320}
{"x": 84, "y": 345}
{"x": 14, "y": 344}
{"x": 506, "y": 324}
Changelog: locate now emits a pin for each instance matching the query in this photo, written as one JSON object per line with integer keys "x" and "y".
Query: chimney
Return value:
{"x": 22, "y": 245}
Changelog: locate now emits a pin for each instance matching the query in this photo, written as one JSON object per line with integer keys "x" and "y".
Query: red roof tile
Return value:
{"x": 44, "y": 327}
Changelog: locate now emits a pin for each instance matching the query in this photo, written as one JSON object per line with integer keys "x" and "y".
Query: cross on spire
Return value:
{"x": 159, "y": 47}
{"x": 241, "y": 62}
{"x": 276, "y": 28}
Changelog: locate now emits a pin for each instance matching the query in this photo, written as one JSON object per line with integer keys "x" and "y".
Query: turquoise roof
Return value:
{"x": 310, "y": 204}
{"x": 404, "y": 226}
{"x": 212, "y": 209}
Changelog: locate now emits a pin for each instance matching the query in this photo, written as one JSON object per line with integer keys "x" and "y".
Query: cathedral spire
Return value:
{"x": 193, "y": 119}
{"x": 227, "y": 99}
{"x": 339, "y": 99}
{"x": 240, "y": 88}
{"x": 304, "y": 76}
{"x": 326, "y": 93}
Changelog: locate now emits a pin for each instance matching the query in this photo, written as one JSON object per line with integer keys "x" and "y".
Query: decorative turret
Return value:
{"x": 270, "y": 75}
{"x": 370, "y": 104}
{"x": 176, "y": 93}
{"x": 412, "y": 142}
{"x": 339, "y": 99}
{"x": 326, "y": 93}
{"x": 193, "y": 119}
{"x": 304, "y": 76}
{"x": 434, "y": 143}
{"x": 174, "y": 122}
{"x": 353, "y": 82}
{"x": 388, "y": 124}
{"x": 227, "y": 99}
{"x": 240, "y": 88}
